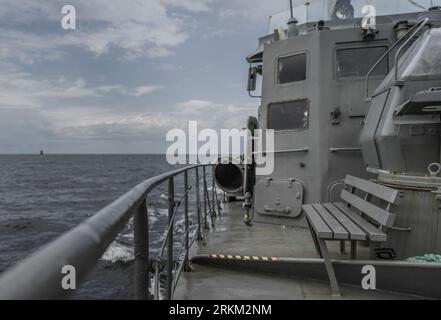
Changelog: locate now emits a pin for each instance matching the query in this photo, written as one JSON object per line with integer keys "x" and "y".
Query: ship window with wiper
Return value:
{"x": 292, "y": 68}
{"x": 291, "y": 115}
{"x": 356, "y": 62}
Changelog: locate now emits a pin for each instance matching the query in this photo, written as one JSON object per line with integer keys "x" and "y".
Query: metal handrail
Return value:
{"x": 398, "y": 54}
{"x": 386, "y": 54}
{"x": 174, "y": 273}
{"x": 178, "y": 271}
{"x": 173, "y": 218}
{"x": 39, "y": 276}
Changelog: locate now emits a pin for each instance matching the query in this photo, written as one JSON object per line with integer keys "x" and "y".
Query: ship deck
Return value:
{"x": 231, "y": 237}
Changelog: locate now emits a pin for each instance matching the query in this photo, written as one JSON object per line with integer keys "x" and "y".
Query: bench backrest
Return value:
{"x": 381, "y": 216}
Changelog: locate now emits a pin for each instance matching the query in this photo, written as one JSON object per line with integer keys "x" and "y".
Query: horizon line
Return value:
{"x": 82, "y": 154}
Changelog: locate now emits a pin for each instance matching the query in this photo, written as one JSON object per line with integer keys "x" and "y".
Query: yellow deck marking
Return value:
{"x": 244, "y": 258}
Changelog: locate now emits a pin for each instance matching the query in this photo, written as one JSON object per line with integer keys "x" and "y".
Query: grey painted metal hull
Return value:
{"x": 419, "y": 210}
{"x": 417, "y": 279}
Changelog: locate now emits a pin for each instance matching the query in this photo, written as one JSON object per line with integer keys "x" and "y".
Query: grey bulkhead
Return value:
{"x": 407, "y": 141}
{"x": 332, "y": 144}
{"x": 401, "y": 140}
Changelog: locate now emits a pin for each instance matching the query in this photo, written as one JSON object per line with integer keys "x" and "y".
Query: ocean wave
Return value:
{"x": 162, "y": 211}
{"x": 118, "y": 253}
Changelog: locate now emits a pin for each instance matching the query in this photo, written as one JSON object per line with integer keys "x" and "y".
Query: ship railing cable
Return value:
{"x": 40, "y": 275}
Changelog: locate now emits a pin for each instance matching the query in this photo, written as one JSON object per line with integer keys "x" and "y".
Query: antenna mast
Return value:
{"x": 291, "y": 9}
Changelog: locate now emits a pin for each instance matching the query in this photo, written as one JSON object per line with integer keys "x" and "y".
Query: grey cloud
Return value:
{"x": 69, "y": 112}
{"x": 21, "y": 89}
{"x": 140, "y": 27}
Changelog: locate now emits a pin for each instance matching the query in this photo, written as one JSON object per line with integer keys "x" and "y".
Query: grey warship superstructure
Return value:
{"x": 354, "y": 98}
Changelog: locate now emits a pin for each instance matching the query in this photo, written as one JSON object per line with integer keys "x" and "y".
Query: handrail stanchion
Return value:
{"x": 141, "y": 235}
{"x": 156, "y": 283}
{"x": 210, "y": 208}
{"x": 218, "y": 205}
{"x": 211, "y": 211}
{"x": 186, "y": 266}
{"x": 198, "y": 206}
{"x": 219, "y": 208}
{"x": 213, "y": 191}
{"x": 171, "y": 209}
{"x": 204, "y": 173}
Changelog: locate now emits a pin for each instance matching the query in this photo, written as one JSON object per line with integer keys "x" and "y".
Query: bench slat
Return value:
{"x": 317, "y": 223}
{"x": 381, "y": 216}
{"x": 388, "y": 194}
{"x": 338, "y": 230}
{"x": 355, "y": 233}
{"x": 373, "y": 233}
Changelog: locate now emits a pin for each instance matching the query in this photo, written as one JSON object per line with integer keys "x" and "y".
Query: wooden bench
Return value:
{"x": 355, "y": 219}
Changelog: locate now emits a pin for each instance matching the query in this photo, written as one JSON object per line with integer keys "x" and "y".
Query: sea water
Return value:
{"x": 42, "y": 197}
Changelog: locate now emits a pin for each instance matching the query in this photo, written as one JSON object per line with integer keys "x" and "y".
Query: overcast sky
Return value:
{"x": 132, "y": 70}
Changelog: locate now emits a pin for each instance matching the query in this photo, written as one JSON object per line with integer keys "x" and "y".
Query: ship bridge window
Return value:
{"x": 356, "y": 62}
{"x": 291, "y": 115}
{"x": 292, "y": 68}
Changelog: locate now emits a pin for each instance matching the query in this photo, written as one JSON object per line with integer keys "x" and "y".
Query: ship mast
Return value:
{"x": 291, "y": 9}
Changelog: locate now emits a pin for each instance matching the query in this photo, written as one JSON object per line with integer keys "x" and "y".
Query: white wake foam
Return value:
{"x": 118, "y": 253}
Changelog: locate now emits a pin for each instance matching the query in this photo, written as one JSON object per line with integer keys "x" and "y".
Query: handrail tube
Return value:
{"x": 282, "y": 151}
{"x": 181, "y": 248}
{"x": 174, "y": 270}
{"x": 397, "y": 55}
{"x": 217, "y": 202}
{"x": 186, "y": 222}
{"x": 156, "y": 292}
{"x": 39, "y": 276}
{"x": 335, "y": 150}
{"x": 210, "y": 211}
{"x": 170, "y": 260}
{"x": 184, "y": 265}
{"x": 198, "y": 204}
{"x": 178, "y": 272}
{"x": 204, "y": 175}
{"x": 170, "y": 225}
{"x": 141, "y": 238}
{"x": 175, "y": 211}
{"x": 386, "y": 54}
{"x": 213, "y": 183}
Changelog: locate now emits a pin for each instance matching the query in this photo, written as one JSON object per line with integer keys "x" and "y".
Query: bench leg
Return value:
{"x": 372, "y": 246}
{"x": 342, "y": 247}
{"x": 353, "y": 250}
{"x": 329, "y": 267}
{"x": 314, "y": 238}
